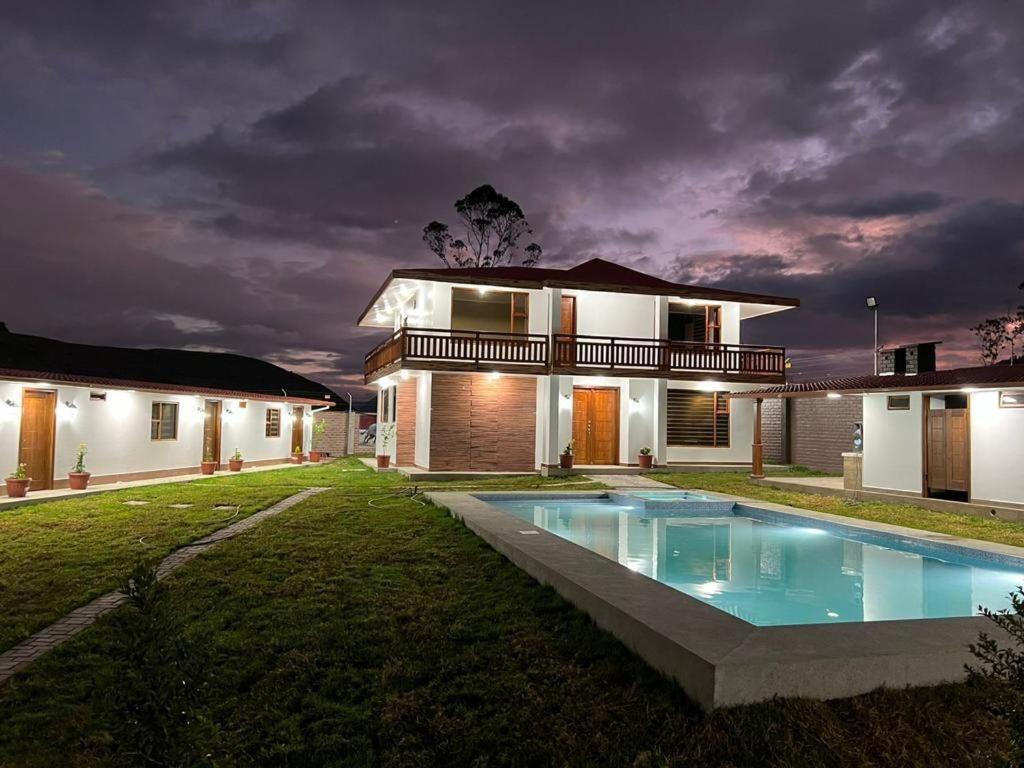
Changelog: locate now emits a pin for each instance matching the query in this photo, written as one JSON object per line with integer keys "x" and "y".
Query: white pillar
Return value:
{"x": 660, "y": 417}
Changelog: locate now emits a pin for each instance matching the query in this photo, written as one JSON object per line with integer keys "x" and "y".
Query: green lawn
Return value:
{"x": 984, "y": 528}
{"x": 342, "y": 633}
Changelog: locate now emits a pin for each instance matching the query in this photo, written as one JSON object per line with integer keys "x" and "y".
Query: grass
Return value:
{"x": 55, "y": 556}
{"x": 346, "y": 634}
{"x": 735, "y": 483}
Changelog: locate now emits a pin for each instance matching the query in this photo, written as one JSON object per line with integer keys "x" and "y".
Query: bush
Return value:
{"x": 158, "y": 682}
{"x": 1002, "y": 668}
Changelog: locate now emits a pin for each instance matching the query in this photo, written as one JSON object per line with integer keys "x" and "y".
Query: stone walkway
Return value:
{"x": 631, "y": 481}
{"x": 27, "y": 651}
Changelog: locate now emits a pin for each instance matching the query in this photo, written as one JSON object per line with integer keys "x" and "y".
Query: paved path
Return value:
{"x": 630, "y": 481}
{"x": 27, "y": 651}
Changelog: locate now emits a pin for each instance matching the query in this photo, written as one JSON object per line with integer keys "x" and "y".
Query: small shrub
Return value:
{"x": 156, "y": 689}
{"x": 1002, "y": 668}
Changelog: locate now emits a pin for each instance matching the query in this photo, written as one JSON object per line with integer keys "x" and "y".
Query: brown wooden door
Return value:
{"x": 957, "y": 450}
{"x": 949, "y": 463}
{"x": 35, "y": 448}
{"x": 567, "y": 351}
{"x": 297, "y": 413}
{"x": 211, "y": 431}
{"x": 595, "y": 425}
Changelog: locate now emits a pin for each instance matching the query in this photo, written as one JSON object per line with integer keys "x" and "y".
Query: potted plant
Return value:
{"x": 18, "y": 482}
{"x": 319, "y": 427}
{"x": 208, "y": 465}
{"x": 645, "y": 458}
{"x": 565, "y": 460}
{"x": 384, "y": 459}
{"x": 235, "y": 462}
{"x": 297, "y": 457}
{"x": 78, "y": 478}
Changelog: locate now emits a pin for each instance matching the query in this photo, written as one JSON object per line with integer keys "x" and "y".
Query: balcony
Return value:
{"x": 448, "y": 350}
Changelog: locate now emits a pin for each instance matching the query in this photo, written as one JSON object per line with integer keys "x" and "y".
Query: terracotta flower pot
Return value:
{"x": 646, "y": 462}
{"x": 383, "y": 461}
{"x": 78, "y": 481}
{"x": 235, "y": 465}
{"x": 17, "y": 488}
{"x": 565, "y": 461}
{"x": 315, "y": 456}
{"x": 209, "y": 467}
{"x": 298, "y": 458}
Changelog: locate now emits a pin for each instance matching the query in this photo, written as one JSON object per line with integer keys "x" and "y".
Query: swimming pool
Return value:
{"x": 773, "y": 569}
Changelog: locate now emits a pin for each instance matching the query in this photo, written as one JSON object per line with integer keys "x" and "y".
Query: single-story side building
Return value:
{"x": 954, "y": 434}
{"x": 144, "y": 413}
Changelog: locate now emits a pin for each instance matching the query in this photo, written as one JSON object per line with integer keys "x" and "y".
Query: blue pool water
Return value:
{"x": 771, "y": 568}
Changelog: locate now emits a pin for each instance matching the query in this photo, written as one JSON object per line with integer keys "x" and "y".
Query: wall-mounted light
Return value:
{"x": 404, "y": 375}
{"x": 968, "y": 390}
{"x": 70, "y": 404}
{"x": 833, "y": 395}
{"x": 635, "y": 406}
{"x": 10, "y": 403}
{"x": 495, "y": 375}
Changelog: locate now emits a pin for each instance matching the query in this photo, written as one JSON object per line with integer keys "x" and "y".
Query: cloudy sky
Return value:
{"x": 228, "y": 175}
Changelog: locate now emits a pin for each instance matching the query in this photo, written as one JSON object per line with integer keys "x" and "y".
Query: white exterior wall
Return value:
{"x": 116, "y": 431}
{"x": 424, "y": 383}
{"x": 741, "y": 428}
{"x": 892, "y": 444}
{"x": 997, "y": 450}
{"x": 615, "y": 314}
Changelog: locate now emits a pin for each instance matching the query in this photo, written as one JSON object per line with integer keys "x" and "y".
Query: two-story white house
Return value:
{"x": 498, "y": 369}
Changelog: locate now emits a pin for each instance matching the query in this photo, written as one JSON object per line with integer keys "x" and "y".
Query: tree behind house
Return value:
{"x": 493, "y": 226}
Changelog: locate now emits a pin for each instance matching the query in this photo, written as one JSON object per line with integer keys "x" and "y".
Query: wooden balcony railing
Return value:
{"x": 607, "y": 355}
{"x": 434, "y": 348}
{"x": 662, "y": 356}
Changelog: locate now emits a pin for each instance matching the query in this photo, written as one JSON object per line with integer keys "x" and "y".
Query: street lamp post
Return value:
{"x": 872, "y": 303}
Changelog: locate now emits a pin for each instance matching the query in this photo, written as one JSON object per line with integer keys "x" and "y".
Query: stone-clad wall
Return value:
{"x": 821, "y": 430}
{"x": 483, "y": 424}
{"x": 771, "y": 430}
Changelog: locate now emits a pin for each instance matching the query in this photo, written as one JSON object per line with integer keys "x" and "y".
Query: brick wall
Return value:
{"x": 405, "y": 428}
{"x": 771, "y": 430}
{"x": 479, "y": 423}
{"x": 821, "y": 430}
{"x": 334, "y": 440}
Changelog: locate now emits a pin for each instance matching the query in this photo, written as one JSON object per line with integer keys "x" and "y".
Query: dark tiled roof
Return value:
{"x": 595, "y": 274}
{"x": 981, "y": 376}
{"x": 36, "y": 358}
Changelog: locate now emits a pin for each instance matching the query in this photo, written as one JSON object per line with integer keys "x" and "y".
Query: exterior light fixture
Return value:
{"x": 968, "y": 390}
{"x": 482, "y": 291}
{"x": 70, "y": 404}
{"x": 10, "y": 403}
{"x": 404, "y": 374}
{"x": 833, "y": 395}
{"x": 872, "y": 303}
{"x": 495, "y": 375}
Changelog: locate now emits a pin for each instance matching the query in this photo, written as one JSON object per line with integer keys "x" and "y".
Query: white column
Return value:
{"x": 660, "y": 418}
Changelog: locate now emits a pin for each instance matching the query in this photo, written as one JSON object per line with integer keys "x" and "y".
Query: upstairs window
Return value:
{"x": 272, "y": 428}
{"x": 164, "y": 422}
{"x": 697, "y": 324}
{"x": 475, "y": 309}
{"x": 698, "y": 419}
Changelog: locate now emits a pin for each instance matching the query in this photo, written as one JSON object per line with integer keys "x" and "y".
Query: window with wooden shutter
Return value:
{"x": 273, "y": 423}
{"x": 164, "y": 422}
{"x": 698, "y": 419}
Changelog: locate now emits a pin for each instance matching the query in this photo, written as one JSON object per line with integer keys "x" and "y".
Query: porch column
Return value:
{"x": 757, "y": 464}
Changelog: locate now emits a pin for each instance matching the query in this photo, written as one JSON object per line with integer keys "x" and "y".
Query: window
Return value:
{"x": 474, "y": 309}
{"x": 387, "y": 404}
{"x": 101, "y": 396}
{"x": 696, "y": 324}
{"x": 164, "y": 424}
{"x": 273, "y": 423}
{"x": 898, "y": 403}
{"x": 1011, "y": 399}
{"x": 698, "y": 419}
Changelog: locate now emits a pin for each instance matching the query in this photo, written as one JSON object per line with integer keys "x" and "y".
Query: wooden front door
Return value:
{"x": 595, "y": 425}
{"x": 297, "y": 427}
{"x": 35, "y": 448}
{"x": 948, "y": 450}
{"x": 211, "y": 432}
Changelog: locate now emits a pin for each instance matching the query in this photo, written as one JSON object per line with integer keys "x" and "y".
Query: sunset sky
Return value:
{"x": 235, "y": 176}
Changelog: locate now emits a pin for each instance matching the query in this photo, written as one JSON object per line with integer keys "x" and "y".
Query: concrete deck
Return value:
{"x": 38, "y": 497}
{"x": 719, "y": 659}
{"x": 833, "y": 486}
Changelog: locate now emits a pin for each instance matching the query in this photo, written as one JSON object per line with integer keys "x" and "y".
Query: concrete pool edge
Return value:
{"x": 718, "y": 659}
